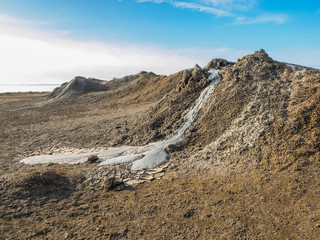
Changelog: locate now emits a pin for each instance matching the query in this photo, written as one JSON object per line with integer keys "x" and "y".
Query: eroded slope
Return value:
{"x": 249, "y": 168}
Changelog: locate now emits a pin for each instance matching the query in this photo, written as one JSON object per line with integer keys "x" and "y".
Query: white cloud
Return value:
{"x": 202, "y": 8}
{"x": 231, "y": 4}
{"x": 194, "y": 5}
{"x": 226, "y": 8}
{"x": 30, "y": 55}
{"x": 264, "y": 18}
{"x": 7, "y": 19}
{"x": 37, "y": 59}
{"x": 154, "y": 1}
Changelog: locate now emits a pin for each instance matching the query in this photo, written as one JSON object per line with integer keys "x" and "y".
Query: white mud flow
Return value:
{"x": 142, "y": 157}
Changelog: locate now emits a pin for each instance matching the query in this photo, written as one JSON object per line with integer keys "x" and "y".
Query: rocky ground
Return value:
{"x": 248, "y": 168}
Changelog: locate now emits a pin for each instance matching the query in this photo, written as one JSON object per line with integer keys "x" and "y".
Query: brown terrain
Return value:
{"x": 249, "y": 168}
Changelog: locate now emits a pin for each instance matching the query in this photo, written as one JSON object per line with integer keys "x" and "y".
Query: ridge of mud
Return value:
{"x": 77, "y": 86}
{"x": 248, "y": 168}
{"x": 261, "y": 113}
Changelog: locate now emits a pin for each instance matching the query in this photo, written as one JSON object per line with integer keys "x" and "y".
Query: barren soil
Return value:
{"x": 248, "y": 169}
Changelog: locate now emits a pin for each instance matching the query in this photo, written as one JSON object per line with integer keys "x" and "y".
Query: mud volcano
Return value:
{"x": 77, "y": 86}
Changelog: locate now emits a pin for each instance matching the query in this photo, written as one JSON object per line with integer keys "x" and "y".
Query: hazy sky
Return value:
{"x": 51, "y": 41}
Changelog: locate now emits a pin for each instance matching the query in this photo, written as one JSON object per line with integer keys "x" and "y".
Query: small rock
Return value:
{"x": 158, "y": 175}
{"x": 134, "y": 182}
{"x": 141, "y": 172}
{"x": 149, "y": 178}
{"x": 140, "y": 156}
{"x": 155, "y": 170}
{"x": 189, "y": 213}
{"x": 93, "y": 158}
{"x": 165, "y": 165}
{"x": 170, "y": 148}
{"x": 120, "y": 187}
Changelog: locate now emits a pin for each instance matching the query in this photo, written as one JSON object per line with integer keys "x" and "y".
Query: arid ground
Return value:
{"x": 247, "y": 169}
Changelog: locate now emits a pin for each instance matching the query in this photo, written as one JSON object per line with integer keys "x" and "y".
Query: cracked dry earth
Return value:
{"x": 247, "y": 169}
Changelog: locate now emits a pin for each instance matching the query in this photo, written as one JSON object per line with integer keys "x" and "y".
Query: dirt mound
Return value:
{"x": 178, "y": 92}
{"x": 80, "y": 85}
{"x": 44, "y": 184}
{"x": 248, "y": 168}
{"x": 262, "y": 111}
{"x": 117, "y": 83}
{"x": 77, "y": 86}
{"x": 218, "y": 63}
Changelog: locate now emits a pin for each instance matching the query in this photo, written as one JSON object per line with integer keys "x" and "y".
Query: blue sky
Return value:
{"x": 53, "y": 41}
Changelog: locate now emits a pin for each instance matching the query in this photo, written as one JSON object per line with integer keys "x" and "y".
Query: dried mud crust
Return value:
{"x": 254, "y": 204}
{"x": 249, "y": 168}
{"x": 262, "y": 113}
{"x": 148, "y": 108}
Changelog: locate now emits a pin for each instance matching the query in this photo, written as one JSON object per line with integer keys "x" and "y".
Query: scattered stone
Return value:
{"x": 119, "y": 187}
{"x": 115, "y": 185}
{"x": 93, "y": 158}
{"x": 158, "y": 175}
{"x": 134, "y": 182}
{"x": 171, "y": 148}
{"x": 149, "y": 178}
{"x": 140, "y": 156}
{"x": 189, "y": 213}
{"x": 155, "y": 170}
{"x": 141, "y": 172}
{"x": 165, "y": 165}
